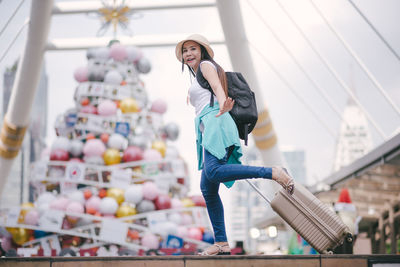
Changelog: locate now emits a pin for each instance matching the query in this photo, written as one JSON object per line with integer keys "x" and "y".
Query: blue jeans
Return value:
{"x": 217, "y": 171}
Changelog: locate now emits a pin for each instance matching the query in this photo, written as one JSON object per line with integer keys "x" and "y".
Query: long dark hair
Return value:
{"x": 220, "y": 71}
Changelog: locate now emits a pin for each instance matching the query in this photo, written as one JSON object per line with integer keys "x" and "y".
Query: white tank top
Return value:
{"x": 199, "y": 96}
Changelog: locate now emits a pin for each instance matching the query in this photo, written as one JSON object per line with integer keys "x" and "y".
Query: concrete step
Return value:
{"x": 214, "y": 261}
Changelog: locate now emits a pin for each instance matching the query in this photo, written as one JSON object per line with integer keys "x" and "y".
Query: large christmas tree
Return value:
{"x": 111, "y": 183}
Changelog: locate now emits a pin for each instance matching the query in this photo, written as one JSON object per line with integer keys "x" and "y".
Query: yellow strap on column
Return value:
{"x": 264, "y": 128}
{"x": 11, "y": 137}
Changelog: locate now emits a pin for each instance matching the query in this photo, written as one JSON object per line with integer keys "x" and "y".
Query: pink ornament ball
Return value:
{"x": 81, "y": 74}
{"x": 132, "y": 153}
{"x": 6, "y": 243}
{"x": 89, "y": 109}
{"x": 94, "y": 147}
{"x": 32, "y": 217}
{"x": 60, "y": 203}
{"x": 176, "y": 203}
{"x": 59, "y": 155}
{"x": 93, "y": 204}
{"x": 159, "y": 106}
{"x": 150, "y": 241}
{"x": 107, "y": 108}
{"x": 118, "y": 52}
{"x": 186, "y": 219}
{"x": 182, "y": 231}
{"x": 163, "y": 202}
{"x": 150, "y": 191}
{"x": 195, "y": 233}
{"x": 152, "y": 155}
{"x": 74, "y": 207}
{"x": 199, "y": 201}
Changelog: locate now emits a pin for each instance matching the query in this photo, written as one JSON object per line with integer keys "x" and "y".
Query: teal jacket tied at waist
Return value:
{"x": 219, "y": 133}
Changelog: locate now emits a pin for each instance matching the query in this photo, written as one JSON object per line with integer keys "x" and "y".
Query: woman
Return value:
{"x": 217, "y": 137}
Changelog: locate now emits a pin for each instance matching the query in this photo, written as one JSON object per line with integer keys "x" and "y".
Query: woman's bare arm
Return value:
{"x": 211, "y": 75}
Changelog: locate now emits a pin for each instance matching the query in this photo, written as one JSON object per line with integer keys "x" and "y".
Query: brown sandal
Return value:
{"x": 220, "y": 251}
{"x": 288, "y": 185}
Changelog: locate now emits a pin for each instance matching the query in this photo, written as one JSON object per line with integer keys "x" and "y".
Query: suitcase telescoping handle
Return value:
{"x": 258, "y": 191}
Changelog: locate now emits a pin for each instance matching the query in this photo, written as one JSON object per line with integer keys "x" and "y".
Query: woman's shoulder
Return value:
{"x": 208, "y": 62}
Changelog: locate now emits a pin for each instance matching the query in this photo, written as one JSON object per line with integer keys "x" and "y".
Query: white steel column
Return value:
{"x": 239, "y": 52}
{"x": 17, "y": 117}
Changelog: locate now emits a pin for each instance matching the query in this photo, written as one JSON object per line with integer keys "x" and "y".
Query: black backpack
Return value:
{"x": 244, "y": 111}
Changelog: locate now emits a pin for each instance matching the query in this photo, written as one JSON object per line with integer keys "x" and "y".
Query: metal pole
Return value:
{"x": 17, "y": 117}
{"x": 239, "y": 52}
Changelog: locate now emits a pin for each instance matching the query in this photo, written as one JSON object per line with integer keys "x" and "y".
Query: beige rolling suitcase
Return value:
{"x": 310, "y": 218}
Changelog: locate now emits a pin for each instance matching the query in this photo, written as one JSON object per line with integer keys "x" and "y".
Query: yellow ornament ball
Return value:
{"x": 160, "y": 146}
{"x": 126, "y": 210}
{"x": 187, "y": 202}
{"x": 112, "y": 156}
{"x": 25, "y": 207}
{"x": 129, "y": 105}
{"x": 117, "y": 194}
{"x": 21, "y": 235}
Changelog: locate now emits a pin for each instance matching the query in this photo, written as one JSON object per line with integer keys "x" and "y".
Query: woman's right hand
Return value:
{"x": 227, "y": 106}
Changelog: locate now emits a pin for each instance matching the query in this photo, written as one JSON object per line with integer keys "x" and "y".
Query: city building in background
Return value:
{"x": 354, "y": 139}
{"x": 296, "y": 162}
{"x": 15, "y": 190}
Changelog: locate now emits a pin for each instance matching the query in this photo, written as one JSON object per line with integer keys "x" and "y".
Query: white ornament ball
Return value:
{"x": 108, "y": 206}
{"x": 76, "y": 148}
{"x": 144, "y": 65}
{"x": 172, "y": 131}
{"x": 61, "y": 142}
{"x": 134, "y": 194}
{"x": 102, "y": 53}
{"x": 77, "y": 196}
{"x": 117, "y": 141}
{"x": 113, "y": 77}
{"x": 175, "y": 218}
{"x": 134, "y": 53}
{"x": 91, "y": 53}
{"x": 44, "y": 199}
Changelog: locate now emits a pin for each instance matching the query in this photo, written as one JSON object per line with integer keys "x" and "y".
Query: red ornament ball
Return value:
{"x": 102, "y": 193}
{"x": 163, "y": 202}
{"x": 59, "y": 154}
{"x": 132, "y": 153}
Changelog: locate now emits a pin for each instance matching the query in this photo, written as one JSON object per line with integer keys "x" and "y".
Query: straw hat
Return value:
{"x": 197, "y": 38}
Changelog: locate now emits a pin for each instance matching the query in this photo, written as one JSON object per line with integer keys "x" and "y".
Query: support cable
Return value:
{"x": 327, "y": 65}
{"x": 12, "y": 16}
{"x": 300, "y": 98}
{"x": 358, "y": 60}
{"x": 308, "y": 76}
{"x": 375, "y": 30}
{"x": 15, "y": 38}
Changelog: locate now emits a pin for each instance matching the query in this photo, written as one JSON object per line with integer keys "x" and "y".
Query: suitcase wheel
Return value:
{"x": 349, "y": 238}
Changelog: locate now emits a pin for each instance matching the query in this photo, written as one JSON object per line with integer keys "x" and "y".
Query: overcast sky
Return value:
{"x": 295, "y": 126}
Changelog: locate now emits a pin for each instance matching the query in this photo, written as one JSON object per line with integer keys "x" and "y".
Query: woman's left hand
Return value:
{"x": 227, "y": 106}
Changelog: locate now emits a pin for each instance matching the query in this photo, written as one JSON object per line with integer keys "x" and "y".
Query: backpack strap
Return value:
{"x": 204, "y": 83}
{"x": 246, "y": 133}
